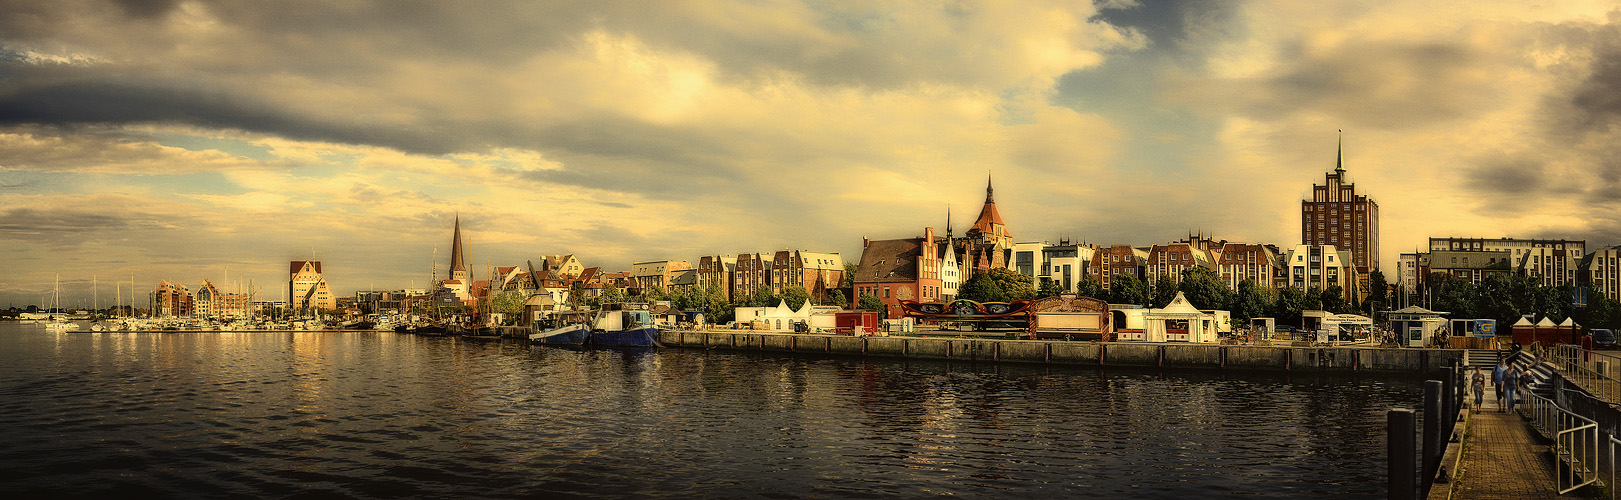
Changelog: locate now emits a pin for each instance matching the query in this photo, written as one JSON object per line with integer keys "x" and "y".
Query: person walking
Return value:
{"x": 1478, "y": 383}
{"x": 1497, "y": 380}
{"x": 1511, "y": 386}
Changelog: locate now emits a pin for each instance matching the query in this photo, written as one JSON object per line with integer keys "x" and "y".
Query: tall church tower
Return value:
{"x": 989, "y": 228}
{"x": 458, "y": 269}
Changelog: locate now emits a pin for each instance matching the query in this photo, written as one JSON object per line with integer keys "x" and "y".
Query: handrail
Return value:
{"x": 1575, "y": 439}
{"x": 1596, "y": 372}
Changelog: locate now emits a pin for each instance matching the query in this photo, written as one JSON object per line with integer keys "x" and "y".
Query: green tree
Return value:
{"x": 837, "y": 298}
{"x": 981, "y": 288}
{"x": 1089, "y": 286}
{"x": 850, "y": 269}
{"x": 1127, "y": 289}
{"x": 795, "y": 296}
{"x": 508, "y": 302}
{"x": 1287, "y": 304}
{"x": 1014, "y": 285}
{"x": 1049, "y": 288}
{"x": 1333, "y": 299}
{"x": 1452, "y": 295}
{"x": 762, "y": 297}
{"x": 610, "y": 295}
{"x": 1378, "y": 293}
{"x": 1249, "y": 302}
{"x": 1164, "y": 291}
{"x": 1205, "y": 290}
{"x": 871, "y": 302}
{"x": 1312, "y": 300}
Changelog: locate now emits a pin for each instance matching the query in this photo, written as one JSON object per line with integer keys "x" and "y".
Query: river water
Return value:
{"x": 388, "y": 415}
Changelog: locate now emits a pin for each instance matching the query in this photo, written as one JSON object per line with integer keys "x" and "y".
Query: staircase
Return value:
{"x": 1486, "y": 359}
{"x": 1538, "y": 378}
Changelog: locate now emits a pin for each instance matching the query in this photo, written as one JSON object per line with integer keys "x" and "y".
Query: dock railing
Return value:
{"x": 1598, "y": 373}
{"x": 1575, "y": 438}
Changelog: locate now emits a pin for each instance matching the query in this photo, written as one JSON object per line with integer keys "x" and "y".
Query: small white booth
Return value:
{"x": 782, "y": 318}
{"x": 1179, "y": 322}
{"x": 1415, "y": 325}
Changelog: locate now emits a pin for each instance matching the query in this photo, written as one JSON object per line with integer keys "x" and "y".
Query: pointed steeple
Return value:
{"x": 458, "y": 270}
{"x": 988, "y": 191}
{"x": 1339, "y": 156}
{"x": 948, "y": 222}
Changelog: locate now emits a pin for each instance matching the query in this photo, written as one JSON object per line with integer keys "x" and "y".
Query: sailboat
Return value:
{"x": 58, "y": 321}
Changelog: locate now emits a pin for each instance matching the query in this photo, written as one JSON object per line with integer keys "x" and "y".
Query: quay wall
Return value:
{"x": 1132, "y": 354}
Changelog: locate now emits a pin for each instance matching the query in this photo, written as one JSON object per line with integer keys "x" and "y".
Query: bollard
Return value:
{"x": 1431, "y": 446}
{"x": 1399, "y": 454}
{"x": 1448, "y": 410}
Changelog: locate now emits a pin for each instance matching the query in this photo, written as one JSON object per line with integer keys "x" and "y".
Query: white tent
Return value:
{"x": 1179, "y": 321}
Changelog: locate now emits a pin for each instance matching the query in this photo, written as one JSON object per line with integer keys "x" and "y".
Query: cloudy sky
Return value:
{"x": 219, "y": 139}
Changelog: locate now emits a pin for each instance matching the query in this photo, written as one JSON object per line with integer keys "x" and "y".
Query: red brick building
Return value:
{"x": 897, "y": 270}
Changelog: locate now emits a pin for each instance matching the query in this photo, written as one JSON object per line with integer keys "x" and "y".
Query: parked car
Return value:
{"x": 1603, "y": 338}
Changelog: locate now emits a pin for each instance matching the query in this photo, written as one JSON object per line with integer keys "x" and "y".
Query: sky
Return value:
{"x": 147, "y": 140}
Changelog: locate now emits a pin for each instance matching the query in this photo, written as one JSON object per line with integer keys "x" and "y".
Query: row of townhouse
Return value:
{"x": 819, "y": 273}
{"x": 1303, "y": 266}
{"x": 1551, "y": 262}
{"x": 176, "y": 300}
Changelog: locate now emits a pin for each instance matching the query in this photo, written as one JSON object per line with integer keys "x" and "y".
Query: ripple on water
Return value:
{"x": 384, "y": 415}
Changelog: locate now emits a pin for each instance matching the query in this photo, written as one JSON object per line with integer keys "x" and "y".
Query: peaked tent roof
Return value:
{"x": 1178, "y": 308}
{"x": 1522, "y": 322}
{"x": 1545, "y": 323}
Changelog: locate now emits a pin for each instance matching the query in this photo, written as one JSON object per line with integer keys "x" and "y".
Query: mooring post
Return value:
{"x": 1399, "y": 454}
{"x": 1449, "y": 408}
{"x": 1432, "y": 434}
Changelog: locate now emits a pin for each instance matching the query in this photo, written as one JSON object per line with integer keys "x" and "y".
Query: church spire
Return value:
{"x": 1339, "y": 156}
{"x": 988, "y": 190}
{"x": 458, "y": 270}
{"x": 948, "y": 222}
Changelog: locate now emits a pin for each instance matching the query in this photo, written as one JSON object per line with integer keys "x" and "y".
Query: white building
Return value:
{"x": 1554, "y": 261}
{"x": 1320, "y": 267}
{"x": 1600, "y": 268}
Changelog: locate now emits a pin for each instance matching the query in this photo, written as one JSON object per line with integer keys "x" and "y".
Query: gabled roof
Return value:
{"x": 298, "y": 265}
{"x": 889, "y": 261}
{"x": 1522, "y": 322}
{"x": 1546, "y": 323}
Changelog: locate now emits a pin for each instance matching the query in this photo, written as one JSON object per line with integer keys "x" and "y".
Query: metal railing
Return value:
{"x": 1596, "y": 372}
{"x": 1613, "y": 442}
{"x": 1575, "y": 439}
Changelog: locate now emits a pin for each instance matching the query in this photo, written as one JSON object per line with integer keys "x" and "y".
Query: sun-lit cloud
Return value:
{"x": 173, "y": 139}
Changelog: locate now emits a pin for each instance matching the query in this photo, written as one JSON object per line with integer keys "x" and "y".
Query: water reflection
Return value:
{"x": 385, "y": 415}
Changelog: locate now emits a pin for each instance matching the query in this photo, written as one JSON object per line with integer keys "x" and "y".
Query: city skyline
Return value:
{"x": 176, "y": 139}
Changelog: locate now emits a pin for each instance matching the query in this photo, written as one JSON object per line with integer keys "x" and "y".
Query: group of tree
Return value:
{"x": 1508, "y": 297}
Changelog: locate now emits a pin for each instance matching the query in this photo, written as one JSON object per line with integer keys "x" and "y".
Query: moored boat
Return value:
{"x": 567, "y": 335}
{"x": 623, "y": 328}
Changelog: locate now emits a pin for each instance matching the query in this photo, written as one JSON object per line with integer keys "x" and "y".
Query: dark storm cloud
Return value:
{"x": 147, "y": 9}
{"x": 30, "y": 224}
{"x": 1508, "y": 177}
{"x": 1390, "y": 85}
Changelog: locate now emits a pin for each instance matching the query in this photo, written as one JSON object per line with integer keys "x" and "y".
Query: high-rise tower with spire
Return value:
{"x": 1336, "y": 215}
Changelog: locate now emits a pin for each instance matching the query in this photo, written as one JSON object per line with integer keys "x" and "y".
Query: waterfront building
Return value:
{"x": 171, "y": 300}
{"x": 953, "y": 266}
{"x": 685, "y": 281}
{"x": 307, "y": 288}
{"x": 750, "y": 272}
{"x": 211, "y": 303}
{"x": 715, "y": 270}
{"x": 656, "y": 274}
{"x": 900, "y": 269}
{"x": 1339, "y": 217}
{"x": 1260, "y": 263}
{"x": 1171, "y": 260}
{"x": 564, "y": 265}
{"x": 1111, "y": 262}
{"x": 1320, "y": 267}
{"x": 818, "y": 273}
{"x": 1554, "y": 262}
{"x": 1598, "y": 270}
{"x": 1026, "y": 259}
{"x": 1044, "y": 262}
{"x": 1471, "y": 266}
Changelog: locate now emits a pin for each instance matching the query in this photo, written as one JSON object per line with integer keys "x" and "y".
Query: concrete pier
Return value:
{"x": 1134, "y": 354}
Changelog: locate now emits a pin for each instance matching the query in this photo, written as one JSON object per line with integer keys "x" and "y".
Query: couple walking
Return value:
{"x": 1505, "y": 378}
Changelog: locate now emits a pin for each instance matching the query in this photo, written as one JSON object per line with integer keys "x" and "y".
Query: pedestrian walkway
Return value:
{"x": 1503, "y": 458}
